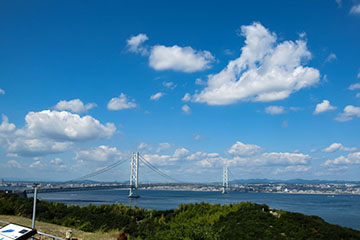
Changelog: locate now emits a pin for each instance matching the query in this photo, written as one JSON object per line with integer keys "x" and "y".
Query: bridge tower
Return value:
{"x": 225, "y": 180}
{"x": 134, "y": 175}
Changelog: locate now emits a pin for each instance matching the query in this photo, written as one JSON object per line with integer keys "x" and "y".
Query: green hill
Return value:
{"x": 190, "y": 221}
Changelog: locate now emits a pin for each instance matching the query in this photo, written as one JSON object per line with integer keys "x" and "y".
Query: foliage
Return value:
{"x": 190, "y": 221}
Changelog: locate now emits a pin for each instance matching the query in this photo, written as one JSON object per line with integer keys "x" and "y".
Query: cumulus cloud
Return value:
{"x": 296, "y": 169}
{"x": 33, "y": 147}
{"x": 156, "y": 96}
{"x": 354, "y": 86}
{"x": 186, "y": 97}
{"x": 75, "y": 105}
{"x": 183, "y": 59}
{"x": 66, "y": 126}
{"x": 186, "y": 109}
{"x": 285, "y": 158}
{"x": 101, "y": 153}
{"x": 135, "y": 44}
{"x": 163, "y": 146}
{"x": 274, "y": 110}
{"x": 324, "y": 106}
{"x": 265, "y": 71}
{"x": 350, "y": 111}
{"x": 355, "y": 9}
{"x": 207, "y": 160}
{"x": 338, "y": 147}
{"x": 2, "y": 92}
{"x": 351, "y": 158}
{"x": 121, "y": 102}
{"x": 48, "y": 132}
{"x": 177, "y": 58}
{"x": 5, "y": 126}
{"x": 144, "y": 146}
{"x": 164, "y": 160}
{"x": 242, "y": 149}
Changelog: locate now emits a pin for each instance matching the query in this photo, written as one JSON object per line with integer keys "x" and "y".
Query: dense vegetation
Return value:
{"x": 190, "y": 221}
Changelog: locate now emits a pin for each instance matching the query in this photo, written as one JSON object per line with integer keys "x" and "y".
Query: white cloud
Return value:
{"x": 66, "y": 126}
{"x": 75, "y": 105}
{"x": 186, "y": 109}
{"x": 354, "y": 86}
{"x": 351, "y": 158}
{"x": 121, "y": 102}
{"x": 358, "y": 95}
{"x": 186, "y": 97}
{"x": 184, "y": 59}
{"x": 32, "y": 147}
{"x": 208, "y": 160}
{"x": 350, "y": 111}
{"x": 163, "y": 146}
{"x": 242, "y": 149}
{"x": 330, "y": 58}
{"x": 199, "y": 81}
{"x": 156, "y": 96}
{"x": 338, "y": 147}
{"x": 135, "y": 44}
{"x": 37, "y": 164}
{"x": 49, "y": 132}
{"x": 274, "y": 110}
{"x": 264, "y": 71}
{"x": 13, "y": 164}
{"x": 296, "y": 169}
{"x": 179, "y": 154}
{"x": 5, "y": 126}
{"x": 58, "y": 163}
{"x": 144, "y": 146}
{"x": 285, "y": 158}
{"x": 358, "y": 76}
{"x": 355, "y": 9}
{"x": 324, "y": 106}
{"x": 102, "y": 153}
{"x": 169, "y": 85}
{"x": 2, "y": 92}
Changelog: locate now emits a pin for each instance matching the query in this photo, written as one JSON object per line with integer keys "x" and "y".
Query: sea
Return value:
{"x": 343, "y": 210}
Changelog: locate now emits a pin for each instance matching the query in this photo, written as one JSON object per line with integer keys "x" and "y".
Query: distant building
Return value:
{"x": 2, "y": 182}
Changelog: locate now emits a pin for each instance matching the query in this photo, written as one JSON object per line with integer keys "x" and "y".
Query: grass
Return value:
{"x": 59, "y": 231}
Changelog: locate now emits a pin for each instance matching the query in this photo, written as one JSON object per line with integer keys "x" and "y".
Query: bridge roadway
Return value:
{"x": 112, "y": 186}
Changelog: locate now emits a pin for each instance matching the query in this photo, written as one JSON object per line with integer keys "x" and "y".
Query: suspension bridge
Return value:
{"x": 135, "y": 160}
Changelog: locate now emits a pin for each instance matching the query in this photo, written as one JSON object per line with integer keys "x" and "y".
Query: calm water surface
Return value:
{"x": 340, "y": 209}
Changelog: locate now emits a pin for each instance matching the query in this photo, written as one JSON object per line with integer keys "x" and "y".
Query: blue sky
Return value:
{"x": 270, "y": 89}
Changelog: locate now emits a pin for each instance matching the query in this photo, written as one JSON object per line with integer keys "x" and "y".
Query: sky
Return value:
{"x": 270, "y": 89}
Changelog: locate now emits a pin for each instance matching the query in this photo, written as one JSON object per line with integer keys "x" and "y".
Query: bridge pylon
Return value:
{"x": 134, "y": 175}
{"x": 225, "y": 180}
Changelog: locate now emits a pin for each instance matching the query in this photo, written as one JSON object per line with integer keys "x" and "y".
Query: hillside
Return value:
{"x": 190, "y": 221}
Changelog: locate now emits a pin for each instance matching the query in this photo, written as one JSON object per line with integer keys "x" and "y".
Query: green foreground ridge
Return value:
{"x": 190, "y": 221}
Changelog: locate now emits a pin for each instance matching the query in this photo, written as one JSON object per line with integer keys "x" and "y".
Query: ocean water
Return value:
{"x": 343, "y": 210}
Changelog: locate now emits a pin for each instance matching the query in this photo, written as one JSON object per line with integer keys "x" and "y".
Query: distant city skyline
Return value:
{"x": 269, "y": 89}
